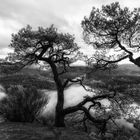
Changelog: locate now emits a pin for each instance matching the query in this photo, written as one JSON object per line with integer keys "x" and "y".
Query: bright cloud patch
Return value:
{"x": 66, "y": 15}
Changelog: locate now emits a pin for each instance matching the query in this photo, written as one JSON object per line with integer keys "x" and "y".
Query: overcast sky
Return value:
{"x": 66, "y": 15}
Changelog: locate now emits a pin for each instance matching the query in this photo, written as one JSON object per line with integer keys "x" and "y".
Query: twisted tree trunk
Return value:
{"x": 59, "y": 115}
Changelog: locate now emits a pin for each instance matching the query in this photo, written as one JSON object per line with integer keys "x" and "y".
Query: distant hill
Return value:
{"x": 127, "y": 69}
{"x": 74, "y": 71}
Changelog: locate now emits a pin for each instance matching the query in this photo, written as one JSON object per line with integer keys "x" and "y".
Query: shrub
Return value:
{"x": 22, "y": 104}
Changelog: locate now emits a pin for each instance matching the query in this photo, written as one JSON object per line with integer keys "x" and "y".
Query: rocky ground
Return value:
{"x": 26, "y": 131}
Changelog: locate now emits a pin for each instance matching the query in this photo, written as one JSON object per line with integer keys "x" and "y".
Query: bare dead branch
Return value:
{"x": 88, "y": 99}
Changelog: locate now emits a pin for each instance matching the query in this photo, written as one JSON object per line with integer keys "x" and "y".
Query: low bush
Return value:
{"x": 22, "y": 104}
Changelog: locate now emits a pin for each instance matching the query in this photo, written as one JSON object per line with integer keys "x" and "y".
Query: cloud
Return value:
{"x": 7, "y": 27}
{"x": 66, "y": 15}
{"x": 4, "y": 51}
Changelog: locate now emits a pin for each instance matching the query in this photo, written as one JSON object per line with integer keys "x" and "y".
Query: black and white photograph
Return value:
{"x": 69, "y": 69}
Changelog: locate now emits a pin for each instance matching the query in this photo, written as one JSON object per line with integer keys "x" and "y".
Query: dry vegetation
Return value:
{"x": 125, "y": 84}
